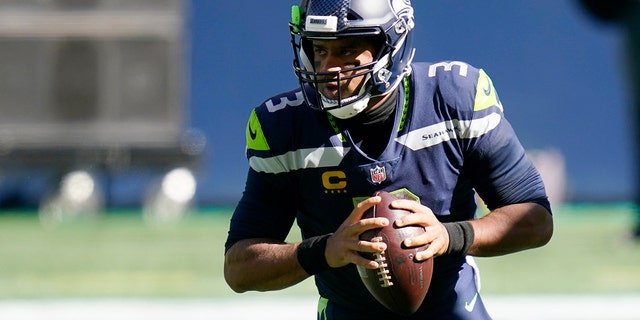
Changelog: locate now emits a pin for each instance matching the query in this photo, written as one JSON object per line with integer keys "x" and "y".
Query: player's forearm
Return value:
{"x": 511, "y": 229}
{"x": 262, "y": 265}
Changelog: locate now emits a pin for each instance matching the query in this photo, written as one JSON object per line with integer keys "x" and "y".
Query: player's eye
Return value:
{"x": 319, "y": 51}
{"x": 348, "y": 52}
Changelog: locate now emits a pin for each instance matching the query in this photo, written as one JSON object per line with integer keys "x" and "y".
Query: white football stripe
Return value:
{"x": 449, "y": 130}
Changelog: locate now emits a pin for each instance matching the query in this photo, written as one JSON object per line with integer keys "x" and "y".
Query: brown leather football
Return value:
{"x": 401, "y": 283}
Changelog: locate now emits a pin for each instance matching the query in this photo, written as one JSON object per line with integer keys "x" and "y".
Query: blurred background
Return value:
{"x": 126, "y": 91}
{"x": 132, "y": 113}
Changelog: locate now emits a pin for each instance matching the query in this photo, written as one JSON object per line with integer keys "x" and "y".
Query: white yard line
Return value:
{"x": 521, "y": 307}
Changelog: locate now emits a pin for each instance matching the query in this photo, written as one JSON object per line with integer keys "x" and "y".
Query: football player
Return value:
{"x": 366, "y": 118}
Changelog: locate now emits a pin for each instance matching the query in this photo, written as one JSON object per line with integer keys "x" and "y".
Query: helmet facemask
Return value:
{"x": 337, "y": 104}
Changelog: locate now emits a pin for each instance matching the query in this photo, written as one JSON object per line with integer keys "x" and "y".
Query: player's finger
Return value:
{"x": 422, "y": 215}
{"x": 364, "y": 245}
{"x": 341, "y": 251}
{"x": 369, "y": 224}
{"x": 406, "y": 204}
{"x": 361, "y": 207}
{"x": 418, "y": 241}
{"x": 434, "y": 245}
{"x": 428, "y": 252}
{"x": 364, "y": 262}
{"x": 371, "y": 246}
{"x": 431, "y": 251}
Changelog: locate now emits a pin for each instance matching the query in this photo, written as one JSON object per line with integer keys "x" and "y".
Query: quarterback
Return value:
{"x": 367, "y": 118}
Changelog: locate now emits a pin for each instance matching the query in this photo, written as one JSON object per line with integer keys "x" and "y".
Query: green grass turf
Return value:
{"x": 591, "y": 252}
{"x": 119, "y": 255}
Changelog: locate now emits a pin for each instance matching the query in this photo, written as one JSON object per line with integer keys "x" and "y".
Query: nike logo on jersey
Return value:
{"x": 255, "y": 137}
{"x": 487, "y": 90}
{"x": 486, "y": 96}
{"x": 253, "y": 134}
{"x": 469, "y": 305}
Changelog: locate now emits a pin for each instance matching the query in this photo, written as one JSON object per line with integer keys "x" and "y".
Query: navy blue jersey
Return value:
{"x": 450, "y": 140}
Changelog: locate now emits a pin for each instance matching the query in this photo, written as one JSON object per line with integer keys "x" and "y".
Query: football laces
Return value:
{"x": 383, "y": 271}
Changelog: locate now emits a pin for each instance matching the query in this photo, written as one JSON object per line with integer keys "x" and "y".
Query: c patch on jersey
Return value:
{"x": 486, "y": 95}
{"x": 255, "y": 137}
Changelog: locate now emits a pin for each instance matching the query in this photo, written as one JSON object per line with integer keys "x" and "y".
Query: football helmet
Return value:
{"x": 391, "y": 21}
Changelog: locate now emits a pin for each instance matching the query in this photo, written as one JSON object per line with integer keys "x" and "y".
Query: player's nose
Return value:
{"x": 330, "y": 63}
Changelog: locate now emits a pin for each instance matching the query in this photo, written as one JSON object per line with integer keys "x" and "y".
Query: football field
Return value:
{"x": 118, "y": 267}
{"x": 520, "y": 307}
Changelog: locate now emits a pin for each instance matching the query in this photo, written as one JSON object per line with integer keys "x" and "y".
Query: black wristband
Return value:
{"x": 311, "y": 254}
{"x": 461, "y": 237}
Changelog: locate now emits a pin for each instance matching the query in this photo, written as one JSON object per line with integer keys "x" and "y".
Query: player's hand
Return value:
{"x": 343, "y": 246}
{"x": 436, "y": 237}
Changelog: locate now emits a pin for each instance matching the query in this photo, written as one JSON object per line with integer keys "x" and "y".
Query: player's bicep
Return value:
{"x": 501, "y": 172}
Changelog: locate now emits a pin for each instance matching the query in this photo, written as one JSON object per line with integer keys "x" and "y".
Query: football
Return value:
{"x": 401, "y": 282}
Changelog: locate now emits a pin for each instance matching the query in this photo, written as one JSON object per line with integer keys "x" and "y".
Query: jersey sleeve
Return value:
{"x": 265, "y": 210}
{"x": 499, "y": 168}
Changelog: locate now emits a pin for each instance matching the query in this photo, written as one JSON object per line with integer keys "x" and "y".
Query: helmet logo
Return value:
{"x": 322, "y": 23}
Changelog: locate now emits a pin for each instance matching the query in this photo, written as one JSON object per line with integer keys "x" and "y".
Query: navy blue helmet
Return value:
{"x": 389, "y": 23}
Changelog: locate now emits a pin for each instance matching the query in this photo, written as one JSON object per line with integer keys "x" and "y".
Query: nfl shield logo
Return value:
{"x": 378, "y": 174}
